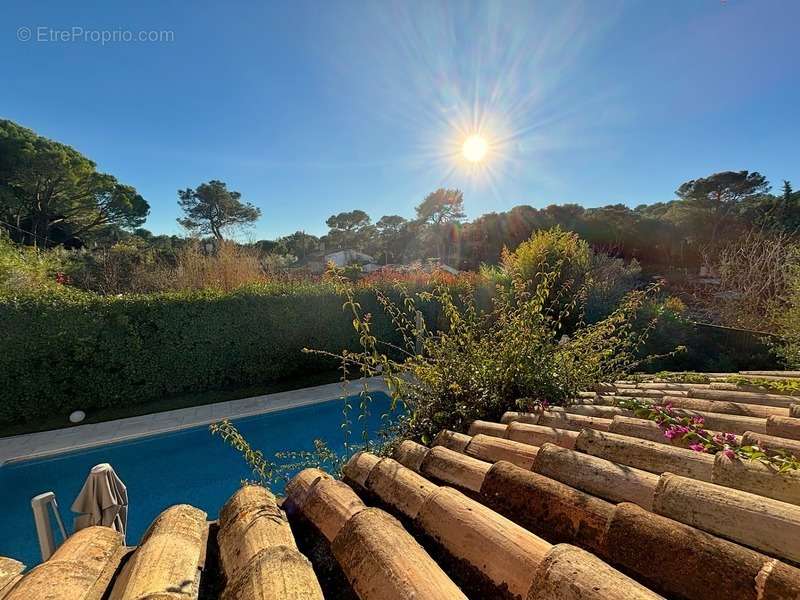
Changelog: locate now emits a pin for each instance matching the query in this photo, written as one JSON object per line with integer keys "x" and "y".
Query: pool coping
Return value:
{"x": 81, "y": 437}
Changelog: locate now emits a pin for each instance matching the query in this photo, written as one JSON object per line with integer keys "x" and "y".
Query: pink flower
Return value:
{"x": 729, "y": 453}
{"x": 697, "y": 447}
{"x": 698, "y": 420}
{"x": 675, "y": 431}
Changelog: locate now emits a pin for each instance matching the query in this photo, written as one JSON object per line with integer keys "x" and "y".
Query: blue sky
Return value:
{"x": 312, "y": 108}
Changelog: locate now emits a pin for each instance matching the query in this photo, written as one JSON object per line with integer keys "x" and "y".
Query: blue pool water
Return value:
{"x": 189, "y": 466}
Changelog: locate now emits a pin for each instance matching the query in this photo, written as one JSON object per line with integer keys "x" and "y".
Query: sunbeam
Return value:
{"x": 482, "y": 111}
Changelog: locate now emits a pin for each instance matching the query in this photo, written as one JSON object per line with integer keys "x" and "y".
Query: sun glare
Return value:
{"x": 475, "y": 148}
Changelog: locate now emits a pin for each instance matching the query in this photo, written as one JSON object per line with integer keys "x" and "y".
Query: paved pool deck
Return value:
{"x": 57, "y": 441}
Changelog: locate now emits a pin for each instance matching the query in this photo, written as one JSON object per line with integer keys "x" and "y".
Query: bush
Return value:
{"x": 755, "y": 281}
{"x": 609, "y": 279}
{"x": 548, "y": 252}
{"x": 702, "y": 347}
{"x": 65, "y": 349}
{"x": 590, "y": 284}
{"x": 475, "y": 364}
{"x": 25, "y": 268}
{"x": 788, "y": 323}
{"x": 479, "y": 363}
{"x": 133, "y": 266}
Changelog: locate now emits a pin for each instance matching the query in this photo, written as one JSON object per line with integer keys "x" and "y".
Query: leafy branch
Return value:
{"x": 691, "y": 430}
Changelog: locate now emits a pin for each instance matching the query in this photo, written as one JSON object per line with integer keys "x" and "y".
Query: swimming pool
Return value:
{"x": 189, "y": 466}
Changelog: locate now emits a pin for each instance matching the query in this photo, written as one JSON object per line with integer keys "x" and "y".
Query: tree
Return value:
{"x": 441, "y": 211}
{"x": 392, "y": 236}
{"x": 348, "y": 221}
{"x": 718, "y": 196}
{"x": 442, "y": 206}
{"x": 212, "y": 208}
{"x": 779, "y": 214}
{"x": 722, "y": 189}
{"x": 45, "y": 185}
{"x": 351, "y": 229}
{"x": 113, "y": 203}
{"x": 300, "y": 243}
{"x": 390, "y": 224}
{"x": 788, "y": 215}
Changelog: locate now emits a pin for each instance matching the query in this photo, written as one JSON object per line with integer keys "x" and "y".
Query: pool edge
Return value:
{"x": 321, "y": 393}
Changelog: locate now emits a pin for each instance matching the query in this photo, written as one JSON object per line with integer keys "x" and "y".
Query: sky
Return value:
{"x": 310, "y": 108}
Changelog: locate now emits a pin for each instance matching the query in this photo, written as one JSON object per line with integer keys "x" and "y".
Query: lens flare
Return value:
{"x": 485, "y": 114}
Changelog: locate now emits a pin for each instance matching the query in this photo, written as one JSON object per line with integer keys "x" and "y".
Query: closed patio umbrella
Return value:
{"x": 103, "y": 500}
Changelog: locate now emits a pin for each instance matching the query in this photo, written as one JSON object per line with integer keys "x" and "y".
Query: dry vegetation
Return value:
{"x": 122, "y": 269}
{"x": 755, "y": 278}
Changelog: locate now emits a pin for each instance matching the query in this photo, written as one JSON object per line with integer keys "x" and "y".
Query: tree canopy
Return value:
{"x": 51, "y": 193}
{"x": 719, "y": 196}
{"x": 213, "y": 208}
{"x": 351, "y": 229}
{"x": 442, "y": 206}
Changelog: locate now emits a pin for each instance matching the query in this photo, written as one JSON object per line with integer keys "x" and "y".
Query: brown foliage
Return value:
{"x": 754, "y": 274}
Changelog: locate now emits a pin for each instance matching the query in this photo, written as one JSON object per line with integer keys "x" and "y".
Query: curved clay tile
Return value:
{"x": 258, "y": 551}
{"x": 80, "y": 569}
{"x": 762, "y": 523}
{"x": 646, "y": 455}
{"x": 382, "y": 561}
{"x": 167, "y": 564}
{"x": 10, "y": 573}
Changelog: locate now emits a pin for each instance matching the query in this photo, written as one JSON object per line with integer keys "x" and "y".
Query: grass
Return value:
{"x": 171, "y": 403}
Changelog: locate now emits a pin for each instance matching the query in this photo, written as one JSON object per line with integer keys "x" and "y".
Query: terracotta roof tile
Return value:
{"x": 168, "y": 562}
{"x": 80, "y": 568}
{"x": 555, "y": 505}
{"x": 10, "y": 574}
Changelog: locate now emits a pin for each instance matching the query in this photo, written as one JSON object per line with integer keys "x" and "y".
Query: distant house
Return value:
{"x": 318, "y": 262}
{"x": 342, "y": 258}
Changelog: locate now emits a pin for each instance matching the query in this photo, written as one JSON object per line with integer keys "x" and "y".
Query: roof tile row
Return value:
{"x": 682, "y": 556}
{"x": 482, "y": 511}
{"x": 485, "y": 552}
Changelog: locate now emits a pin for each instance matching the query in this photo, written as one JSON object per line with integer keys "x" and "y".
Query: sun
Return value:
{"x": 475, "y": 148}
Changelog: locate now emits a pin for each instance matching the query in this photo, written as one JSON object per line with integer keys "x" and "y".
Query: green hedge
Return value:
{"x": 60, "y": 351}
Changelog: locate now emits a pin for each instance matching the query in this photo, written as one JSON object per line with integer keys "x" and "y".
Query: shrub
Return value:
{"x": 609, "y": 279}
{"x": 65, "y": 349}
{"x": 25, "y": 268}
{"x": 475, "y": 365}
{"x": 755, "y": 281}
{"x": 788, "y": 323}
{"x": 117, "y": 269}
{"x": 561, "y": 256}
{"x": 549, "y": 251}
{"x": 133, "y": 266}
{"x": 691, "y": 430}
{"x": 482, "y": 363}
{"x": 590, "y": 284}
